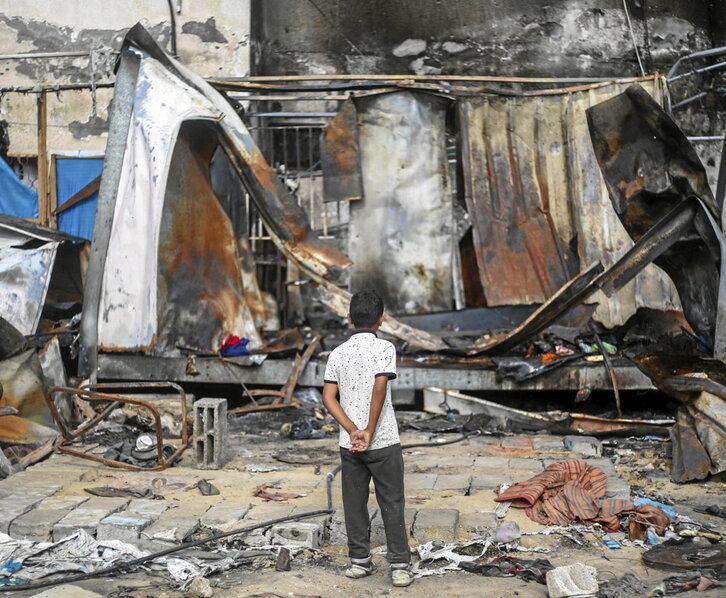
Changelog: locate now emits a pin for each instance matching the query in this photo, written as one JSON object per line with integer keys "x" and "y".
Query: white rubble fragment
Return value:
{"x": 411, "y": 47}
{"x": 572, "y": 580}
{"x": 454, "y": 47}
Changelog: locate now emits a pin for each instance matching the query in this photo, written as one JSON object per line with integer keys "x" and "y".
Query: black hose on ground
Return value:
{"x": 128, "y": 565}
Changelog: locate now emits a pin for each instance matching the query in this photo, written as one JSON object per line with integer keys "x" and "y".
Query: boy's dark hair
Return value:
{"x": 366, "y": 307}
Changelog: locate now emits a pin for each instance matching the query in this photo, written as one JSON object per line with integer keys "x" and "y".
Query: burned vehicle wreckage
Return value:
{"x": 478, "y": 210}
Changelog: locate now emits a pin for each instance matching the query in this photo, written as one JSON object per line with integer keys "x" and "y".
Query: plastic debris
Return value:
{"x": 507, "y": 532}
{"x": 670, "y": 511}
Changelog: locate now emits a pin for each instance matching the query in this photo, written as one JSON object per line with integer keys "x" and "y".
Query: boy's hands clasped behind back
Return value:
{"x": 361, "y": 440}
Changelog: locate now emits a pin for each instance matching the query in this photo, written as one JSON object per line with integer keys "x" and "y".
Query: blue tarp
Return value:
{"x": 72, "y": 174}
{"x": 16, "y": 198}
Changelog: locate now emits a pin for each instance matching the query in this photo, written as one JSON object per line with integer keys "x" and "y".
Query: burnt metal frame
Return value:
{"x": 87, "y": 393}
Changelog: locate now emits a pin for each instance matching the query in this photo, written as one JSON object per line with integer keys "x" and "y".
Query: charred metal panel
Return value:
{"x": 521, "y": 258}
{"x": 650, "y": 169}
{"x": 340, "y": 156}
{"x": 401, "y": 233}
{"x": 201, "y": 292}
{"x": 532, "y": 171}
{"x": 24, "y": 279}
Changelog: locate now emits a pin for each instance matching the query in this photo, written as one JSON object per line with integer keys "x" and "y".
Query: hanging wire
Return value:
{"x": 632, "y": 36}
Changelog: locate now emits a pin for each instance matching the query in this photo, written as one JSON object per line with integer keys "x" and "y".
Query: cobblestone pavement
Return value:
{"x": 449, "y": 497}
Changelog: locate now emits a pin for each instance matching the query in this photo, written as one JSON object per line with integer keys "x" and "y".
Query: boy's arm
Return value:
{"x": 378, "y": 397}
{"x": 330, "y": 400}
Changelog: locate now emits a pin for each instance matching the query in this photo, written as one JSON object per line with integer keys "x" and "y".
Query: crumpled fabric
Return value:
{"x": 509, "y": 566}
{"x": 626, "y": 586}
{"x": 572, "y": 492}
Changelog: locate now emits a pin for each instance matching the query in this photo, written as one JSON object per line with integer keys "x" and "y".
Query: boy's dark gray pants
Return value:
{"x": 385, "y": 466}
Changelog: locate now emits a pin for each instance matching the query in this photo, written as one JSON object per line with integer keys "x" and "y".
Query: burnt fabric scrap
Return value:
{"x": 509, "y": 566}
{"x": 572, "y": 492}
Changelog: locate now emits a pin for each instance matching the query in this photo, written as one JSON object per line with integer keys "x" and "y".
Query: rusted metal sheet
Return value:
{"x": 651, "y": 169}
{"x": 21, "y": 378}
{"x": 163, "y": 212}
{"x": 201, "y": 292}
{"x": 401, "y": 232}
{"x": 340, "y": 157}
{"x": 690, "y": 461}
{"x": 540, "y": 211}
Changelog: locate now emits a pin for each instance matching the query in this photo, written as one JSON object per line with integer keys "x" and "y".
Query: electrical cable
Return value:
{"x": 632, "y": 36}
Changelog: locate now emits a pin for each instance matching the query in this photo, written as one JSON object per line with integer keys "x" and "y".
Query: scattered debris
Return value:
{"x": 262, "y": 492}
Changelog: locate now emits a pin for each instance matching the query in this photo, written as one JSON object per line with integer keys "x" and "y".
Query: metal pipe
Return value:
{"x": 705, "y": 69}
{"x": 173, "y": 29}
{"x": 34, "y": 55}
{"x": 52, "y": 88}
{"x": 700, "y": 54}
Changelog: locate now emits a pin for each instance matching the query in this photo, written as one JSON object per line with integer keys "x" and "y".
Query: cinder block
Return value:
{"x": 298, "y": 533}
{"x": 378, "y": 533}
{"x": 37, "y": 525}
{"x": 436, "y": 524}
{"x": 261, "y": 513}
{"x": 88, "y": 516}
{"x": 210, "y": 432}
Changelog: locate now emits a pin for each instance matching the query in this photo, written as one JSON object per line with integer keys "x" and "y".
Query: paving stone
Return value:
{"x": 123, "y": 526}
{"x": 15, "y": 505}
{"x": 88, "y": 516}
{"x": 606, "y": 465}
{"x": 485, "y": 440}
{"x": 378, "y": 533}
{"x": 337, "y": 534}
{"x": 298, "y": 533}
{"x": 487, "y": 463}
{"x": 225, "y": 516}
{"x": 148, "y": 507}
{"x": 534, "y": 465}
{"x": 587, "y": 446}
{"x": 617, "y": 488}
{"x": 453, "y": 482}
{"x": 436, "y": 524}
{"x": 476, "y": 523}
{"x": 516, "y": 442}
{"x": 172, "y": 526}
{"x": 419, "y": 481}
{"x": 548, "y": 443}
{"x": 488, "y": 481}
{"x": 37, "y": 524}
{"x": 260, "y": 513}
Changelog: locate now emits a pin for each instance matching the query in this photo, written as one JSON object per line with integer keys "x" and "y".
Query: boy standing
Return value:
{"x": 359, "y": 370}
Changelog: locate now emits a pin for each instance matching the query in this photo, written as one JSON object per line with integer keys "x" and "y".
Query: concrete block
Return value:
{"x": 324, "y": 520}
{"x": 522, "y": 443}
{"x": 123, "y": 526}
{"x": 606, "y": 465}
{"x": 15, "y": 505}
{"x": 436, "y": 524}
{"x": 476, "y": 523}
{"x": 88, "y": 516}
{"x": 172, "y": 526}
{"x": 298, "y": 533}
{"x": 617, "y": 488}
{"x": 225, "y": 516}
{"x": 572, "y": 580}
{"x": 67, "y": 591}
{"x": 210, "y": 432}
{"x": 378, "y": 533}
{"x": 586, "y": 446}
{"x": 37, "y": 524}
{"x": 453, "y": 482}
{"x": 419, "y": 481}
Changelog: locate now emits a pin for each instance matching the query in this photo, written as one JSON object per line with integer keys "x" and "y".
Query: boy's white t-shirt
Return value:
{"x": 354, "y": 366}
